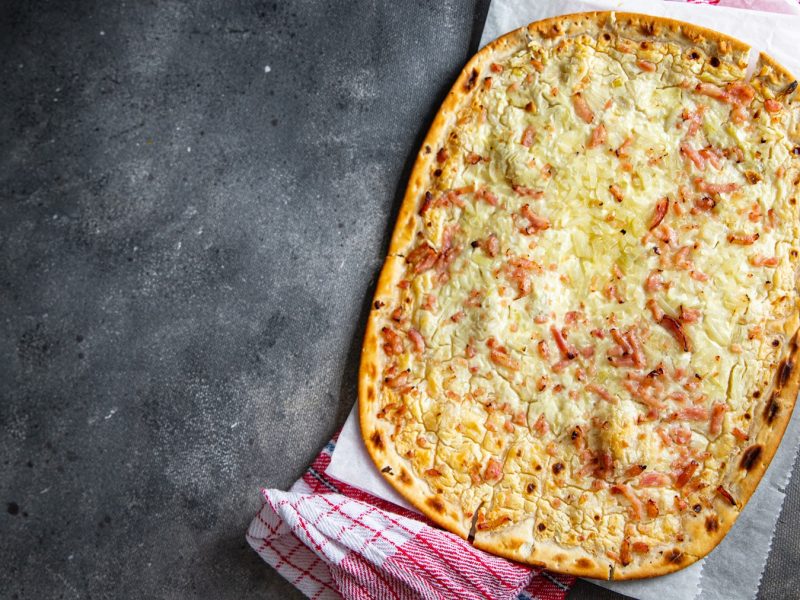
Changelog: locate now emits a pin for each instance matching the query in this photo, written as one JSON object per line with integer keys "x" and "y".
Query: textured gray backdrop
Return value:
{"x": 195, "y": 199}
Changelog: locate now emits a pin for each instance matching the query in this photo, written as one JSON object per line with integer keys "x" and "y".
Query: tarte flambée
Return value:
{"x": 582, "y": 344}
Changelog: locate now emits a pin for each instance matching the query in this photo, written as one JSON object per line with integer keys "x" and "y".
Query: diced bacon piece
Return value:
{"x": 540, "y": 426}
{"x": 587, "y": 351}
{"x": 528, "y": 136}
{"x": 537, "y": 223}
{"x": 690, "y": 315}
{"x": 655, "y": 309}
{"x": 686, "y": 474}
{"x": 472, "y": 158}
{"x": 397, "y": 314}
{"x": 624, "y": 148}
{"x": 712, "y": 156}
{"x": 540, "y": 319}
{"x": 660, "y": 211}
{"x": 715, "y": 188}
{"x": 653, "y": 283}
{"x": 616, "y": 192}
{"x": 635, "y": 470}
{"x": 537, "y": 64}
{"x": 519, "y": 418}
{"x": 743, "y": 240}
{"x": 458, "y": 317}
{"x": 486, "y": 196}
{"x": 430, "y": 302}
{"x": 646, "y": 65}
{"x": 695, "y": 120}
{"x": 601, "y": 392}
{"x": 578, "y": 439}
{"x": 712, "y": 91}
{"x": 698, "y": 276}
{"x": 642, "y": 547}
{"x": 717, "y": 414}
{"x": 694, "y": 156}
{"x": 491, "y": 245}
{"x": 582, "y": 108}
{"x": 417, "y": 340}
{"x": 637, "y": 508}
{"x": 739, "y": 115}
{"x": 705, "y": 204}
{"x": 654, "y": 479}
{"x": 427, "y": 202}
{"x": 442, "y": 155}
{"x": 693, "y": 413}
{"x": 394, "y": 343}
{"x": 567, "y": 350}
{"x": 740, "y": 435}
{"x": 422, "y": 258}
{"x": 543, "y": 348}
{"x": 740, "y": 93}
{"x": 433, "y": 473}
{"x": 508, "y": 426}
{"x": 598, "y": 137}
{"x": 496, "y": 68}
{"x": 598, "y": 333}
{"x": 494, "y": 470}
{"x": 560, "y": 365}
{"x": 772, "y": 106}
{"x": 763, "y": 261}
{"x": 623, "y": 343}
{"x": 725, "y": 494}
{"x": 674, "y": 327}
{"x": 469, "y": 350}
{"x": 681, "y": 504}
{"x": 475, "y": 299}
{"x": 636, "y": 344}
{"x": 525, "y": 191}
{"x": 681, "y": 258}
{"x": 500, "y": 357}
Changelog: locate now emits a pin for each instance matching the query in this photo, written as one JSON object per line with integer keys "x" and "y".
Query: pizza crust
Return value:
{"x": 778, "y": 400}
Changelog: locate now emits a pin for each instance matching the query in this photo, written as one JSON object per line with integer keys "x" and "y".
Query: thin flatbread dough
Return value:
{"x": 581, "y": 349}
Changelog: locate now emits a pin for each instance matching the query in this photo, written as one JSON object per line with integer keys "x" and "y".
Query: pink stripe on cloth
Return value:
{"x": 331, "y": 540}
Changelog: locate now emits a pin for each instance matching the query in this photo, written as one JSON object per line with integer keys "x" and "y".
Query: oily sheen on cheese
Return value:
{"x": 581, "y": 348}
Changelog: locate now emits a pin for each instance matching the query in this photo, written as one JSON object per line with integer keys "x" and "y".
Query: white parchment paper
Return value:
{"x": 734, "y": 569}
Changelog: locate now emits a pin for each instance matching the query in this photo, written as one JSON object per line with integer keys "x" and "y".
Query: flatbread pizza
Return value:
{"x": 581, "y": 349}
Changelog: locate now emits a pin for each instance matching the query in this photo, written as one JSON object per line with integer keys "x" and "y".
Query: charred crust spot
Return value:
{"x": 378, "y": 305}
{"x": 607, "y": 36}
{"x": 530, "y": 488}
{"x": 789, "y": 89}
{"x": 796, "y": 150}
{"x": 750, "y": 457}
{"x": 674, "y": 557}
{"x": 376, "y": 440}
{"x": 557, "y": 468}
{"x": 694, "y": 55}
{"x": 437, "y": 173}
{"x": 776, "y": 342}
{"x": 404, "y": 477}
{"x": 473, "y": 77}
{"x": 541, "y": 527}
{"x": 714, "y": 61}
{"x": 697, "y": 508}
{"x": 712, "y": 524}
{"x": 387, "y": 469}
{"x": 784, "y": 371}
{"x": 370, "y": 393}
{"x": 435, "y": 504}
{"x": 583, "y": 563}
{"x": 757, "y": 394}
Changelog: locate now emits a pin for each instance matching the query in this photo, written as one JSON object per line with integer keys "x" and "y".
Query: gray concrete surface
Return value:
{"x": 195, "y": 198}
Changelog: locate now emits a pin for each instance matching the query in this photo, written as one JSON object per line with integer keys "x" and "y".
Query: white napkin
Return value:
{"x": 735, "y": 568}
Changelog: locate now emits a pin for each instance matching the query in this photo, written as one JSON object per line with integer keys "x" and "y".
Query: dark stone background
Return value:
{"x": 187, "y": 248}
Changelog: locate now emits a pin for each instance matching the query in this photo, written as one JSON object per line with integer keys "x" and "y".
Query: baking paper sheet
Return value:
{"x": 734, "y": 569}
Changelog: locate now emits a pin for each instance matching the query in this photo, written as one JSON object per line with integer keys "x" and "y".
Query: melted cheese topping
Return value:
{"x": 548, "y": 221}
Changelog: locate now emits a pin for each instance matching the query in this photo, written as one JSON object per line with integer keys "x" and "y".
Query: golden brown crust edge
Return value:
{"x": 570, "y": 561}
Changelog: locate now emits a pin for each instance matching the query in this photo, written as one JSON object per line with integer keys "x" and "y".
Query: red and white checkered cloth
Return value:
{"x": 331, "y": 540}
